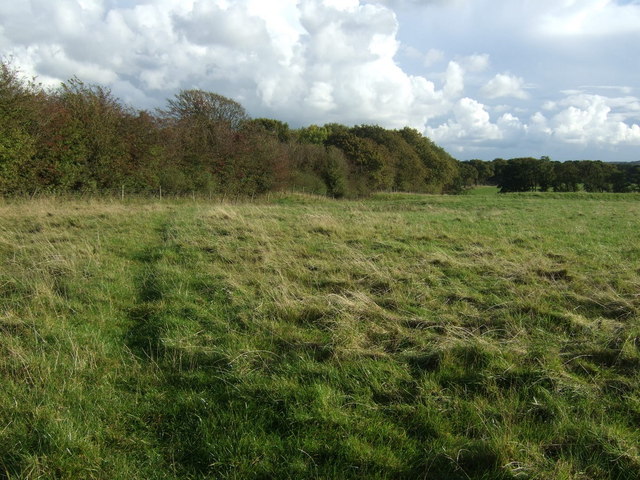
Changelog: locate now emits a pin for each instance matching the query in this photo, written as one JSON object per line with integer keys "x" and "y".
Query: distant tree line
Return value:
{"x": 79, "y": 138}
{"x": 533, "y": 174}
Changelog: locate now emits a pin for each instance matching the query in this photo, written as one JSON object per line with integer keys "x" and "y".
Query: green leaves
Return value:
{"x": 80, "y": 138}
{"x": 200, "y": 107}
{"x": 16, "y": 149}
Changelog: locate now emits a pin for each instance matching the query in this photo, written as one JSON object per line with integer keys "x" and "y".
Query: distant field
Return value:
{"x": 478, "y": 336}
{"x": 483, "y": 190}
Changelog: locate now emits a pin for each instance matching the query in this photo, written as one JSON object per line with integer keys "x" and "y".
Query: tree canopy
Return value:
{"x": 209, "y": 107}
{"x": 80, "y": 138}
{"x": 542, "y": 174}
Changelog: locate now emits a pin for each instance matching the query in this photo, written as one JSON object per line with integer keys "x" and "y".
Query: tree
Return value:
{"x": 404, "y": 170}
{"x": 632, "y": 173}
{"x": 88, "y": 135}
{"x": 518, "y": 175}
{"x": 320, "y": 170}
{"x": 16, "y": 150}
{"x": 145, "y": 156}
{"x": 544, "y": 173}
{"x": 313, "y": 134}
{"x": 335, "y": 173}
{"x": 206, "y": 107}
{"x": 201, "y": 135}
{"x": 270, "y": 126}
{"x": 567, "y": 177}
{"x": 468, "y": 175}
{"x": 78, "y": 137}
{"x": 499, "y": 165}
{"x": 441, "y": 168}
{"x": 596, "y": 176}
{"x": 18, "y": 114}
{"x": 484, "y": 170}
{"x": 254, "y": 165}
{"x": 366, "y": 160}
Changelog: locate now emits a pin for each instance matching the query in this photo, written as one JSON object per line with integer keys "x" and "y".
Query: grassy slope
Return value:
{"x": 477, "y": 336}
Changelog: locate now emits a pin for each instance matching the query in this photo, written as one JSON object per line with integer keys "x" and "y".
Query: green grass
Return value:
{"x": 483, "y": 190}
{"x": 406, "y": 336}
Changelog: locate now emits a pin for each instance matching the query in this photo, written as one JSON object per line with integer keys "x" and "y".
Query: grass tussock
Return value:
{"x": 406, "y": 336}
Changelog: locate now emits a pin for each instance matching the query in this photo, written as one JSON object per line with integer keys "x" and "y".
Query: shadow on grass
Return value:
{"x": 186, "y": 406}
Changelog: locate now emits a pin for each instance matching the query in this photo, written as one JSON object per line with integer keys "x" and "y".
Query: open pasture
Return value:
{"x": 404, "y": 336}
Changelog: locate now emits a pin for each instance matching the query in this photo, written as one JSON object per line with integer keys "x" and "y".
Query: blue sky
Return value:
{"x": 483, "y": 78}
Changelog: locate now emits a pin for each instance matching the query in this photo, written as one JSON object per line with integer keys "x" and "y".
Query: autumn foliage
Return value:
{"x": 80, "y": 138}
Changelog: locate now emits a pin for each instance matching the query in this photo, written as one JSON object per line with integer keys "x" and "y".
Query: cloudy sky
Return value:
{"x": 483, "y": 78}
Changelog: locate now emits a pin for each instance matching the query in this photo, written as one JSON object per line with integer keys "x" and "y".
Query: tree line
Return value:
{"x": 80, "y": 138}
{"x": 533, "y": 174}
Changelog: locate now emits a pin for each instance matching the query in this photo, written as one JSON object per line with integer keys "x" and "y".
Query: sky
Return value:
{"x": 483, "y": 78}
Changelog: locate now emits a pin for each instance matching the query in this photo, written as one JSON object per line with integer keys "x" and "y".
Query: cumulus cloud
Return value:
{"x": 591, "y": 119}
{"x": 476, "y": 62}
{"x": 539, "y": 125}
{"x": 471, "y": 122}
{"x": 209, "y": 24}
{"x": 505, "y": 85}
{"x": 433, "y": 56}
{"x": 427, "y": 59}
{"x": 454, "y": 80}
{"x": 308, "y": 60}
{"x": 350, "y": 52}
{"x": 317, "y": 61}
{"x": 579, "y": 119}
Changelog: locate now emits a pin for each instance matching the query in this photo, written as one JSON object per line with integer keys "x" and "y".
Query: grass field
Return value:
{"x": 442, "y": 337}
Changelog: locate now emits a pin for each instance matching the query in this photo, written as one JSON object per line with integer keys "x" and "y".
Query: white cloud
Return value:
{"x": 626, "y": 107}
{"x": 207, "y": 24}
{"x": 509, "y": 121}
{"x": 304, "y": 61}
{"x": 454, "y": 80}
{"x": 590, "y": 18}
{"x": 539, "y": 125}
{"x": 476, "y": 62}
{"x": 505, "y": 85}
{"x": 623, "y": 89}
{"x": 589, "y": 119}
{"x": 316, "y": 61}
{"x": 433, "y": 56}
{"x": 321, "y": 97}
{"x": 471, "y": 122}
{"x": 350, "y": 52}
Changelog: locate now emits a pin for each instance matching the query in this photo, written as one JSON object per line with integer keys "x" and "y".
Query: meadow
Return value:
{"x": 477, "y": 336}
